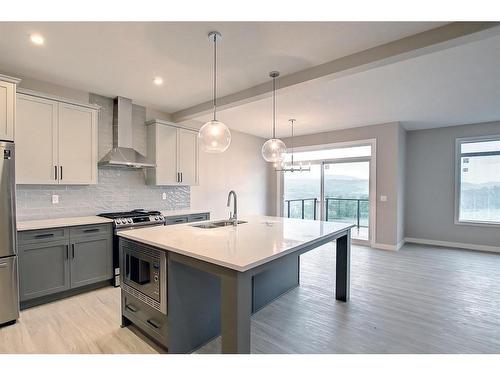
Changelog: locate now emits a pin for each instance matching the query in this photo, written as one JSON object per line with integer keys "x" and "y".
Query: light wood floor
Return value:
{"x": 417, "y": 300}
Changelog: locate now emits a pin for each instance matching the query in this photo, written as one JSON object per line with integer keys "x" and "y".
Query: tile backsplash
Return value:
{"x": 117, "y": 190}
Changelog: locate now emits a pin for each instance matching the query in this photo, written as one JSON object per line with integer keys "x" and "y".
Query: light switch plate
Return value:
{"x": 55, "y": 199}
{"x": 383, "y": 198}
{"x": 164, "y": 196}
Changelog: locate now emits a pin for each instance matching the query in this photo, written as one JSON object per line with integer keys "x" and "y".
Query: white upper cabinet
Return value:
{"x": 7, "y": 107}
{"x": 56, "y": 142}
{"x": 174, "y": 150}
{"x": 77, "y": 145}
{"x": 36, "y": 143}
{"x": 187, "y": 156}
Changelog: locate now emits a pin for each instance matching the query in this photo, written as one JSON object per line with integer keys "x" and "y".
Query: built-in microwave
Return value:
{"x": 144, "y": 274}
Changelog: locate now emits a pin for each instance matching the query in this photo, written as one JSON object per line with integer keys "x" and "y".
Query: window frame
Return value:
{"x": 458, "y": 179}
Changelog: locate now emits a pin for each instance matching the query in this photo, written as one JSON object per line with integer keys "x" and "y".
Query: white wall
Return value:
{"x": 242, "y": 169}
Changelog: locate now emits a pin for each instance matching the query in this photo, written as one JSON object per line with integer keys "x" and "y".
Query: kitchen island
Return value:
{"x": 210, "y": 275}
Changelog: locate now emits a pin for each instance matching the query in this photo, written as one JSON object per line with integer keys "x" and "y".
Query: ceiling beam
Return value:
{"x": 423, "y": 43}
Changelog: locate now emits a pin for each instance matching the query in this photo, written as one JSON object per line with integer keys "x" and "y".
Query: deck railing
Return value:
{"x": 361, "y": 207}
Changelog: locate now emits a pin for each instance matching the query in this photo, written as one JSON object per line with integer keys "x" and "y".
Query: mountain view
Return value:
{"x": 336, "y": 186}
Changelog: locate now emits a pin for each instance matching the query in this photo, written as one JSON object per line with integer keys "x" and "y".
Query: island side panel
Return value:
{"x": 193, "y": 307}
{"x": 276, "y": 281}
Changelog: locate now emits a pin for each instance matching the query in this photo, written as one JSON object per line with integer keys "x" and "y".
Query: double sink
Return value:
{"x": 218, "y": 224}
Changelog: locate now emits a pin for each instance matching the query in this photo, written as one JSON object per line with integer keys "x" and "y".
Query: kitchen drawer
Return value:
{"x": 199, "y": 217}
{"x": 42, "y": 235}
{"x": 145, "y": 317}
{"x": 90, "y": 230}
{"x": 176, "y": 220}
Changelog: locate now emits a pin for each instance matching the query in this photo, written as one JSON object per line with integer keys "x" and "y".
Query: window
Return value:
{"x": 478, "y": 180}
{"x": 331, "y": 153}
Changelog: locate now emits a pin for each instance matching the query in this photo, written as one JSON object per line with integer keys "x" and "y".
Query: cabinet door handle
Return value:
{"x": 153, "y": 323}
{"x": 132, "y": 308}
{"x": 91, "y": 230}
{"x": 67, "y": 251}
{"x": 181, "y": 176}
{"x": 73, "y": 251}
{"x": 61, "y": 177}
{"x": 55, "y": 172}
{"x": 45, "y": 235}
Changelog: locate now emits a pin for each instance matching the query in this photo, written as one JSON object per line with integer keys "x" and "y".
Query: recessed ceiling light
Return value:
{"x": 158, "y": 81}
{"x": 37, "y": 39}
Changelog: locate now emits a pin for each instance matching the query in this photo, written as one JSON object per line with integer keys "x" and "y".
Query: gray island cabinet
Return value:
{"x": 56, "y": 262}
{"x": 214, "y": 279}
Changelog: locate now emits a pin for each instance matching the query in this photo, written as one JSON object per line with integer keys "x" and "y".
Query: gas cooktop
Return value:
{"x": 138, "y": 217}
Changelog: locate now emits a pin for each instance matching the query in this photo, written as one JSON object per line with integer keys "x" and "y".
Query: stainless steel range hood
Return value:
{"x": 123, "y": 155}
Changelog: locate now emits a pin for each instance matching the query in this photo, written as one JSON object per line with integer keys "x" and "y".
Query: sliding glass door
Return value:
{"x": 338, "y": 187}
{"x": 346, "y": 195}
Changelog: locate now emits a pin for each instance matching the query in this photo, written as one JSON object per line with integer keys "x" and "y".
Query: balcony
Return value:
{"x": 345, "y": 210}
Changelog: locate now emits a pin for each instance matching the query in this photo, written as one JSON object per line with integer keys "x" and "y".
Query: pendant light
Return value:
{"x": 214, "y": 136}
{"x": 273, "y": 150}
{"x": 291, "y": 167}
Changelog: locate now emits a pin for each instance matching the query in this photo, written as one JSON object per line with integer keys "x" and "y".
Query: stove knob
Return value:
{"x": 129, "y": 221}
{"x": 156, "y": 218}
{"x": 117, "y": 222}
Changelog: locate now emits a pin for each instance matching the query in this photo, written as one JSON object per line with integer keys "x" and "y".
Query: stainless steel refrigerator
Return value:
{"x": 9, "y": 289}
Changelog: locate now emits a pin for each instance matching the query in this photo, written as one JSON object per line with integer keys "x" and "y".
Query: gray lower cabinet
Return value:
{"x": 43, "y": 269}
{"x": 58, "y": 260}
{"x": 90, "y": 261}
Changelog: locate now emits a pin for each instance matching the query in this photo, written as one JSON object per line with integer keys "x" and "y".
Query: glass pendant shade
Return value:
{"x": 214, "y": 137}
{"x": 273, "y": 150}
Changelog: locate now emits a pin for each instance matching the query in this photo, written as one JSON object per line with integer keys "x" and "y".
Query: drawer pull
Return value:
{"x": 46, "y": 235}
{"x": 151, "y": 322}
{"x": 132, "y": 308}
{"x": 91, "y": 230}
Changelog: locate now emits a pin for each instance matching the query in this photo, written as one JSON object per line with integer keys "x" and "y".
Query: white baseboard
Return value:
{"x": 458, "y": 245}
{"x": 383, "y": 246}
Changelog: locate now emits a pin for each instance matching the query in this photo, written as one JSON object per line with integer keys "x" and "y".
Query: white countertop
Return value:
{"x": 260, "y": 240}
{"x": 183, "y": 212}
{"x": 61, "y": 222}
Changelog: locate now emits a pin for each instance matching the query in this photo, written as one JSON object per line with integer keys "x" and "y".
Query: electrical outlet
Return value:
{"x": 383, "y": 198}
{"x": 55, "y": 199}
{"x": 164, "y": 196}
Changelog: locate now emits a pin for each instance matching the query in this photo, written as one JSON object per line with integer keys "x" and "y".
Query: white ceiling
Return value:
{"x": 454, "y": 86}
{"x": 116, "y": 58}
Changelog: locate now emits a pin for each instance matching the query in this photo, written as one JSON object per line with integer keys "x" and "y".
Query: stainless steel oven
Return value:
{"x": 144, "y": 273}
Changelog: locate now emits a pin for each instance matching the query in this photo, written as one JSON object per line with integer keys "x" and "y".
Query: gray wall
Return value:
{"x": 117, "y": 190}
{"x": 430, "y": 184}
{"x": 401, "y": 185}
{"x": 241, "y": 168}
{"x": 389, "y": 138}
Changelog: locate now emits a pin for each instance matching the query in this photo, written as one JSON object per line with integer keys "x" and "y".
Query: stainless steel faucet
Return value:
{"x": 234, "y": 215}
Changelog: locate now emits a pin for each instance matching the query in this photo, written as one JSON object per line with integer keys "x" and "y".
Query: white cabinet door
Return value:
{"x": 166, "y": 155}
{"x": 7, "y": 110}
{"x": 77, "y": 145}
{"x": 36, "y": 140}
{"x": 187, "y": 156}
